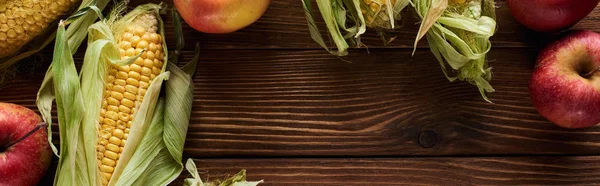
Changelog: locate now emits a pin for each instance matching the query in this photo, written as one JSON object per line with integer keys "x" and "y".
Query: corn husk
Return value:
{"x": 338, "y": 14}
{"x": 459, "y": 36}
{"x": 237, "y": 180}
{"x": 153, "y": 152}
{"x": 76, "y": 33}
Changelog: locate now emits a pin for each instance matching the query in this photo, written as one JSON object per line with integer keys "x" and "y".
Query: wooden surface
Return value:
{"x": 269, "y": 100}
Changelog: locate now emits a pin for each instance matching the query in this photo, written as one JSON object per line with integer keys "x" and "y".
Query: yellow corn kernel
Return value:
{"x": 106, "y": 168}
{"x": 121, "y": 82}
{"x": 103, "y": 142}
{"x": 118, "y": 133}
{"x": 125, "y": 45}
{"x": 108, "y": 162}
{"x": 117, "y": 95}
{"x": 118, "y": 88}
{"x": 130, "y": 91}
{"x": 114, "y": 140}
{"x": 144, "y": 79}
{"x": 149, "y": 63}
{"x": 124, "y": 68}
{"x": 123, "y": 116}
{"x": 128, "y": 103}
{"x": 123, "y": 108}
{"x": 111, "y": 115}
{"x": 112, "y": 147}
{"x": 137, "y": 65}
{"x": 111, "y": 155}
{"x": 110, "y": 122}
{"x": 113, "y": 108}
{"x": 134, "y": 75}
{"x": 135, "y": 40}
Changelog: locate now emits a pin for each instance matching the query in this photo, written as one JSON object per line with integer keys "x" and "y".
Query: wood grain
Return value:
{"x": 284, "y": 26}
{"x": 582, "y": 170}
{"x": 456, "y": 171}
{"x": 291, "y": 103}
{"x": 267, "y": 97}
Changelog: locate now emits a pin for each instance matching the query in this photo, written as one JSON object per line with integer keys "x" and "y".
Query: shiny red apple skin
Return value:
{"x": 220, "y": 16}
{"x": 25, "y": 163}
{"x": 558, "y": 89}
{"x": 550, "y": 15}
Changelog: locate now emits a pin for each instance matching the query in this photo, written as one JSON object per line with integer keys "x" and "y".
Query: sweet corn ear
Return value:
{"x": 125, "y": 89}
{"x": 23, "y": 20}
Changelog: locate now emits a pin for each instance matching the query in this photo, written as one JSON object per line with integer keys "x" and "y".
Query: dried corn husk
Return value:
{"x": 238, "y": 180}
{"x": 458, "y": 33}
{"x": 153, "y": 152}
{"x": 337, "y": 14}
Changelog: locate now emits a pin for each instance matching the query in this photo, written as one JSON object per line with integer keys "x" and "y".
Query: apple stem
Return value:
{"x": 38, "y": 127}
{"x": 590, "y": 74}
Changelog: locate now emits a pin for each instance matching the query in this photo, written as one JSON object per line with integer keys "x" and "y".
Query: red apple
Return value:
{"x": 220, "y": 16}
{"x": 25, "y": 153}
{"x": 565, "y": 87}
{"x": 550, "y": 15}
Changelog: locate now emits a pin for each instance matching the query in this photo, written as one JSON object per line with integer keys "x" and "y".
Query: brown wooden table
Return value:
{"x": 269, "y": 100}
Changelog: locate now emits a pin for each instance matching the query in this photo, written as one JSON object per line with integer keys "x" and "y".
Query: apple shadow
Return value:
{"x": 48, "y": 179}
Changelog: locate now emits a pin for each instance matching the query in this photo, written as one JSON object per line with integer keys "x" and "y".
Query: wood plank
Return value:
{"x": 283, "y": 103}
{"x": 408, "y": 171}
{"x": 284, "y": 26}
{"x": 526, "y": 170}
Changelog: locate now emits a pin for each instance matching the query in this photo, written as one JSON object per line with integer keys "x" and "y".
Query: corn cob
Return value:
{"x": 22, "y": 20}
{"x": 125, "y": 89}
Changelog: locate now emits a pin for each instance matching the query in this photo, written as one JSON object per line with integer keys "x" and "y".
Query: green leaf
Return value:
{"x": 45, "y": 97}
{"x": 190, "y": 166}
{"x": 315, "y": 34}
{"x": 72, "y": 166}
{"x": 430, "y": 11}
{"x": 77, "y": 30}
{"x": 459, "y": 39}
{"x": 237, "y": 180}
{"x": 485, "y": 26}
{"x": 361, "y": 23}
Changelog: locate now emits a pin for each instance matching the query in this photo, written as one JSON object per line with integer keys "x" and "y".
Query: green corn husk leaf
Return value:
{"x": 327, "y": 11}
{"x": 237, "y": 180}
{"x": 459, "y": 37}
{"x": 338, "y": 14}
{"x": 63, "y": 83}
{"x": 76, "y": 33}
